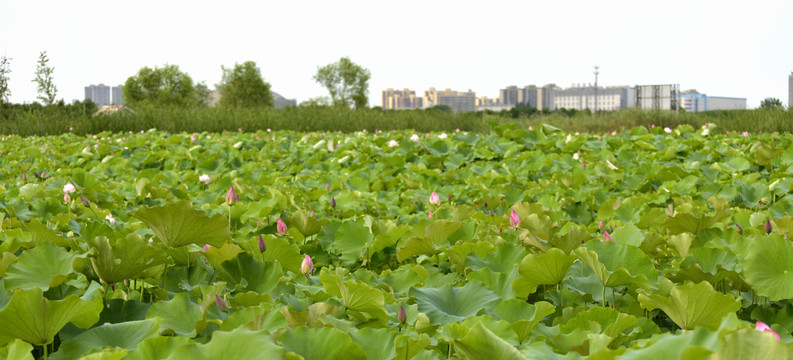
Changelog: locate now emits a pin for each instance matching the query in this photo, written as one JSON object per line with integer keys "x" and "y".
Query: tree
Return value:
{"x": 161, "y": 86}
{"x": 5, "y": 69}
{"x": 771, "y": 103}
{"x": 347, "y": 82}
{"x": 202, "y": 94}
{"x": 46, "y": 86}
{"x": 243, "y": 86}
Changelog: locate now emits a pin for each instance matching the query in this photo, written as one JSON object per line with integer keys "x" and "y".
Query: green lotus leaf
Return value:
{"x": 499, "y": 327}
{"x": 350, "y": 240}
{"x": 321, "y": 343}
{"x": 750, "y": 344}
{"x": 769, "y": 267}
{"x": 377, "y": 343}
{"x": 285, "y": 253}
{"x": 240, "y": 343}
{"x": 628, "y": 234}
{"x": 408, "y": 346}
{"x": 356, "y": 296}
{"x": 439, "y": 231}
{"x": 404, "y": 278}
{"x": 618, "y": 264}
{"x": 503, "y": 260}
{"x": 157, "y": 347}
{"x": 28, "y": 191}
{"x": 178, "y": 224}
{"x": 549, "y": 268}
{"x": 244, "y": 273}
{"x": 500, "y": 283}
{"x": 307, "y": 225}
{"x": 123, "y": 258}
{"x": 44, "y": 266}
{"x": 125, "y": 335}
{"x": 522, "y": 315}
{"x": 693, "y": 305}
{"x": 602, "y": 320}
{"x": 179, "y": 314}
{"x": 416, "y": 246}
{"x": 119, "y": 310}
{"x": 29, "y": 316}
{"x": 40, "y": 233}
{"x": 17, "y": 350}
{"x": 482, "y": 344}
{"x": 217, "y": 255}
{"x": 449, "y": 304}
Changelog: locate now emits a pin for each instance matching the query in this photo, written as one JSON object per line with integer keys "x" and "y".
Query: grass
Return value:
{"x": 52, "y": 121}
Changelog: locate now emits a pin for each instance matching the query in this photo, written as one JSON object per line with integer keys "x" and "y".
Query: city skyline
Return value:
{"x": 739, "y": 49}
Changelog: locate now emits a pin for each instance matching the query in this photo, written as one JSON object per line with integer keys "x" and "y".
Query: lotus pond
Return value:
{"x": 516, "y": 244}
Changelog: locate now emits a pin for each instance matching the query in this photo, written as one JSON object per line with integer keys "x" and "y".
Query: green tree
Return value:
{"x": 347, "y": 83}
{"x": 46, "y": 86}
{"x": 5, "y": 69}
{"x": 160, "y": 86}
{"x": 243, "y": 86}
{"x": 771, "y": 103}
{"x": 202, "y": 94}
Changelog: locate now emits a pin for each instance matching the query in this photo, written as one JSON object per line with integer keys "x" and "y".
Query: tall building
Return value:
{"x": 458, "y": 101}
{"x": 509, "y": 96}
{"x": 117, "y": 95}
{"x": 401, "y": 99}
{"x": 790, "y": 91}
{"x": 99, "y": 94}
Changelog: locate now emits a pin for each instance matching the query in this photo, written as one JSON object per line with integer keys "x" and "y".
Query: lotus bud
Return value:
{"x": 514, "y": 219}
{"x": 768, "y": 227}
{"x": 231, "y": 196}
{"x": 583, "y": 164}
{"x": 66, "y": 198}
{"x": 607, "y": 236}
{"x": 401, "y": 316}
{"x": 25, "y": 177}
{"x": 611, "y": 228}
{"x": 761, "y": 326}
{"x": 740, "y": 229}
{"x": 261, "y": 245}
{"x": 435, "y": 199}
{"x": 222, "y": 304}
{"x": 85, "y": 201}
{"x": 327, "y": 187}
{"x": 600, "y": 225}
{"x": 450, "y": 197}
{"x": 430, "y": 215}
{"x": 206, "y": 247}
{"x": 280, "y": 227}
{"x": 333, "y": 202}
{"x": 126, "y": 283}
{"x": 307, "y": 266}
{"x": 485, "y": 204}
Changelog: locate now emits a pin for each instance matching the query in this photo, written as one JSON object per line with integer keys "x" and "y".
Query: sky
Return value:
{"x": 720, "y": 48}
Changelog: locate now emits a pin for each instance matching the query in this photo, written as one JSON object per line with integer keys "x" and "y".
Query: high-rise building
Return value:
{"x": 117, "y": 95}
{"x": 509, "y": 96}
{"x": 658, "y": 97}
{"x": 790, "y": 91}
{"x": 401, "y": 99}
{"x": 99, "y": 94}
{"x": 457, "y": 101}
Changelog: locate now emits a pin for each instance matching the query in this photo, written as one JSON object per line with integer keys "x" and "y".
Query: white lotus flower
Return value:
{"x": 414, "y": 138}
{"x": 442, "y": 136}
{"x": 204, "y": 179}
{"x": 393, "y": 143}
{"x": 69, "y": 188}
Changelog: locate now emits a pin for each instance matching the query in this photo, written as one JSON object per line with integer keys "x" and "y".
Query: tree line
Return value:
{"x": 241, "y": 86}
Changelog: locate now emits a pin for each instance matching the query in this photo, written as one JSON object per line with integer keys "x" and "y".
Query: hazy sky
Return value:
{"x": 721, "y": 48}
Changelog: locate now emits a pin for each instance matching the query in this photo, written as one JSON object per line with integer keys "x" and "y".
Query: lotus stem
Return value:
{"x": 603, "y": 294}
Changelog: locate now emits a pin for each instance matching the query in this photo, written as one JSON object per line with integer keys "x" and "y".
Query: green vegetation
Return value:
{"x": 37, "y": 120}
{"x": 347, "y": 83}
{"x": 513, "y": 244}
{"x": 243, "y": 86}
{"x": 45, "y": 84}
{"x": 162, "y": 86}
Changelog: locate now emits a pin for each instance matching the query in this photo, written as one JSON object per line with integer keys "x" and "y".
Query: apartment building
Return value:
{"x": 582, "y": 97}
{"x": 401, "y": 99}
{"x": 100, "y": 94}
{"x": 458, "y": 101}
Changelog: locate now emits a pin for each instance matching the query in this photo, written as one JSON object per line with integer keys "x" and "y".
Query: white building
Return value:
{"x": 693, "y": 101}
{"x": 585, "y": 97}
{"x": 658, "y": 97}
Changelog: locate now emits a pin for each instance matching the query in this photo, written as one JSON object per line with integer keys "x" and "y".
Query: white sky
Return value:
{"x": 721, "y": 48}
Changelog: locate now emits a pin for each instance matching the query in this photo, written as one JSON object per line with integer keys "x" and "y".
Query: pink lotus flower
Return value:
{"x": 607, "y": 236}
{"x": 761, "y": 326}
{"x": 111, "y": 219}
{"x": 231, "y": 196}
{"x": 514, "y": 219}
{"x": 69, "y": 188}
{"x": 435, "y": 199}
{"x": 307, "y": 266}
{"x": 430, "y": 215}
{"x": 280, "y": 227}
{"x": 206, "y": 247}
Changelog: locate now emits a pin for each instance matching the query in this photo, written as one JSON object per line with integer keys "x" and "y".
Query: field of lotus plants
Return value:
{"x": 651, "y": 243}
